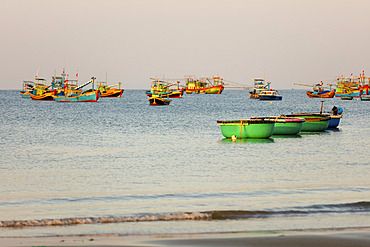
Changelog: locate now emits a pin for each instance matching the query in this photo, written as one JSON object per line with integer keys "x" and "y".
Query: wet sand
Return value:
{"x": 318, "y": 238}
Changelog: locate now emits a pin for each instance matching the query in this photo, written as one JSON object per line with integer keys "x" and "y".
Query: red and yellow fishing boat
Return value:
{"x": 162, "y": 89}
{"x": 214, "y": 85}
{"x": 109, "y": 91}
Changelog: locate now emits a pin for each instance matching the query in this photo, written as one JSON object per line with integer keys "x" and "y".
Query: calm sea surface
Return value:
{"x": 168, "y": 169}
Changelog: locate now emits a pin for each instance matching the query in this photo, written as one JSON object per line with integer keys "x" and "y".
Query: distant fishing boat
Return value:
{"x": 247, "y": 128}
{"x": 41, "y": 91}
{"x": 109, "y": 91}
{"x": 365, "y": 97}
{"x": 162, "y": 89}
{"x": 262, "y": 91}
{"x": 204, "y": 85}
{"x": 270, "y": 95}
{"x": 259, "y": 86}
{"x": 157, "y": 100}
{"x": 87, "y": 96}
{"x": 27, "y": 89}
{"x": 351, "y": 87}
{"x": 346, "y": 97}
{"x": 75, "y": 94}
{"x": 319, "y": 91}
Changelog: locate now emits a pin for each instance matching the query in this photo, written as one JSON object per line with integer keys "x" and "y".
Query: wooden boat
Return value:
{"x": 313, "y": 122}
{"x": 321, "y": 94}
{"x": 41, "y": 91}
{"x": 348, "y": 87}
{"x": 75, "y": 94}
{"x": 319, "y": 91}
{"x": 204, "y": 85}
{"x": 334, "y": 121}
{"x": 157, "y": 100}
{"x": 86, "y": 96}
{"x": 365, "y": 97}
{"x": 110, "y": 91}
{"x": 270, "y": 95}
{"x": 346, "y": 97}
{"x": 285, "y": 125}
{"x": 27, "y": 89}
{"x": 249, "y": 128}
{"x": 162, "y": 89}
{"x": 47, "y": 96}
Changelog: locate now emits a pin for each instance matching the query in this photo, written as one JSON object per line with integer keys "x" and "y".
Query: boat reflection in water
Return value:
{"x": 246, "y": 140}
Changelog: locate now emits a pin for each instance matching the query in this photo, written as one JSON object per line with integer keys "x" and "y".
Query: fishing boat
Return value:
{"x": 204, "y": 85}
{"x": 75, "y": 94}
{"x": 110, "y": 91}
{"x": 319, "y": 91}
{"x": 259, "y": 86}
{"x": 162, "y": 89}
{"x": 346, "y": 97}
{"x": 349, "y": 87}
{"x": 41, "y": 91}
{"x": 27, "y": 89}
{"x": 313, "y": 122}
{"x": 157, "y": 100}
{"x": 270, "y": 95}
{"x": 365, "y": 97}
{"x": 248, "y": 128}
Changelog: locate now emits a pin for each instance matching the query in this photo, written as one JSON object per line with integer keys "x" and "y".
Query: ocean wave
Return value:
{"x": 357, "y": 207}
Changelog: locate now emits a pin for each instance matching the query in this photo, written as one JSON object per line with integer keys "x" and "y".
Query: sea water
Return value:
{"x": 120, "y": 166}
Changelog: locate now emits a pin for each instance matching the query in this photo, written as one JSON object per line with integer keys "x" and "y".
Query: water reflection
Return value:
{"x": 287, "y": 136}
{"x": 246, "y": 140}
{"x": 314, "y": 133}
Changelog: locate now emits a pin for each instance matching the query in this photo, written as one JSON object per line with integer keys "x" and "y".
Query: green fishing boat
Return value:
{"x": 247, "y": 128}
{"x": 313, "y": 122}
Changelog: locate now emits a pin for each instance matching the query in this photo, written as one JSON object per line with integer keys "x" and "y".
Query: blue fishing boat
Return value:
{"x": 75, "y": 94}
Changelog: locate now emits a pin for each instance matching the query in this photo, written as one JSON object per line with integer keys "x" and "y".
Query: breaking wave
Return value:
{"x": 358, "y": 207}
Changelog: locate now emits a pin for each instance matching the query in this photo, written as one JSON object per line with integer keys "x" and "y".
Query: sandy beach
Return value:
{"x": 334, "y": 237}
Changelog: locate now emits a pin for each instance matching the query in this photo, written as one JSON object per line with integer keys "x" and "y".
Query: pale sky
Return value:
{"x": 287, "y": 41}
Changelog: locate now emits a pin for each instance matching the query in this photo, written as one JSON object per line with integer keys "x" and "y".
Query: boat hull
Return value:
{"x": 288, "y": 127}
{"x": 218, "y": 89}
{"x": 346, "y": 97}
{"x": 158, "y": 101}
{"x": 348, "y": 92}
{"x": 112, "y": 93}
{"x": 246, "y": 129}
{"x": 365, "y": 97}
{"x": 265, "y": 97}
{"x": 91, "y": 96}
{"x": 334, "y": 121}
{"x": 324, "y": 94}
{"x": 43, "y": 97}
{"x": 314, "y": 122}
{"x": 171, "y": 94}
{"x": 25, "y": 95}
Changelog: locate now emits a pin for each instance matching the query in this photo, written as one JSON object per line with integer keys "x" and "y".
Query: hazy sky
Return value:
{"x": 288, "y": 41}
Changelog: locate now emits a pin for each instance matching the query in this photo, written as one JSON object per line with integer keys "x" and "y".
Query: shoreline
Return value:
{"x": 338, "y": 237}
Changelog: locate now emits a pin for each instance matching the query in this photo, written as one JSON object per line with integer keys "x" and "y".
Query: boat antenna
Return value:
{"x": 37, "y": 73}
{"x": 77, "y": 74}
